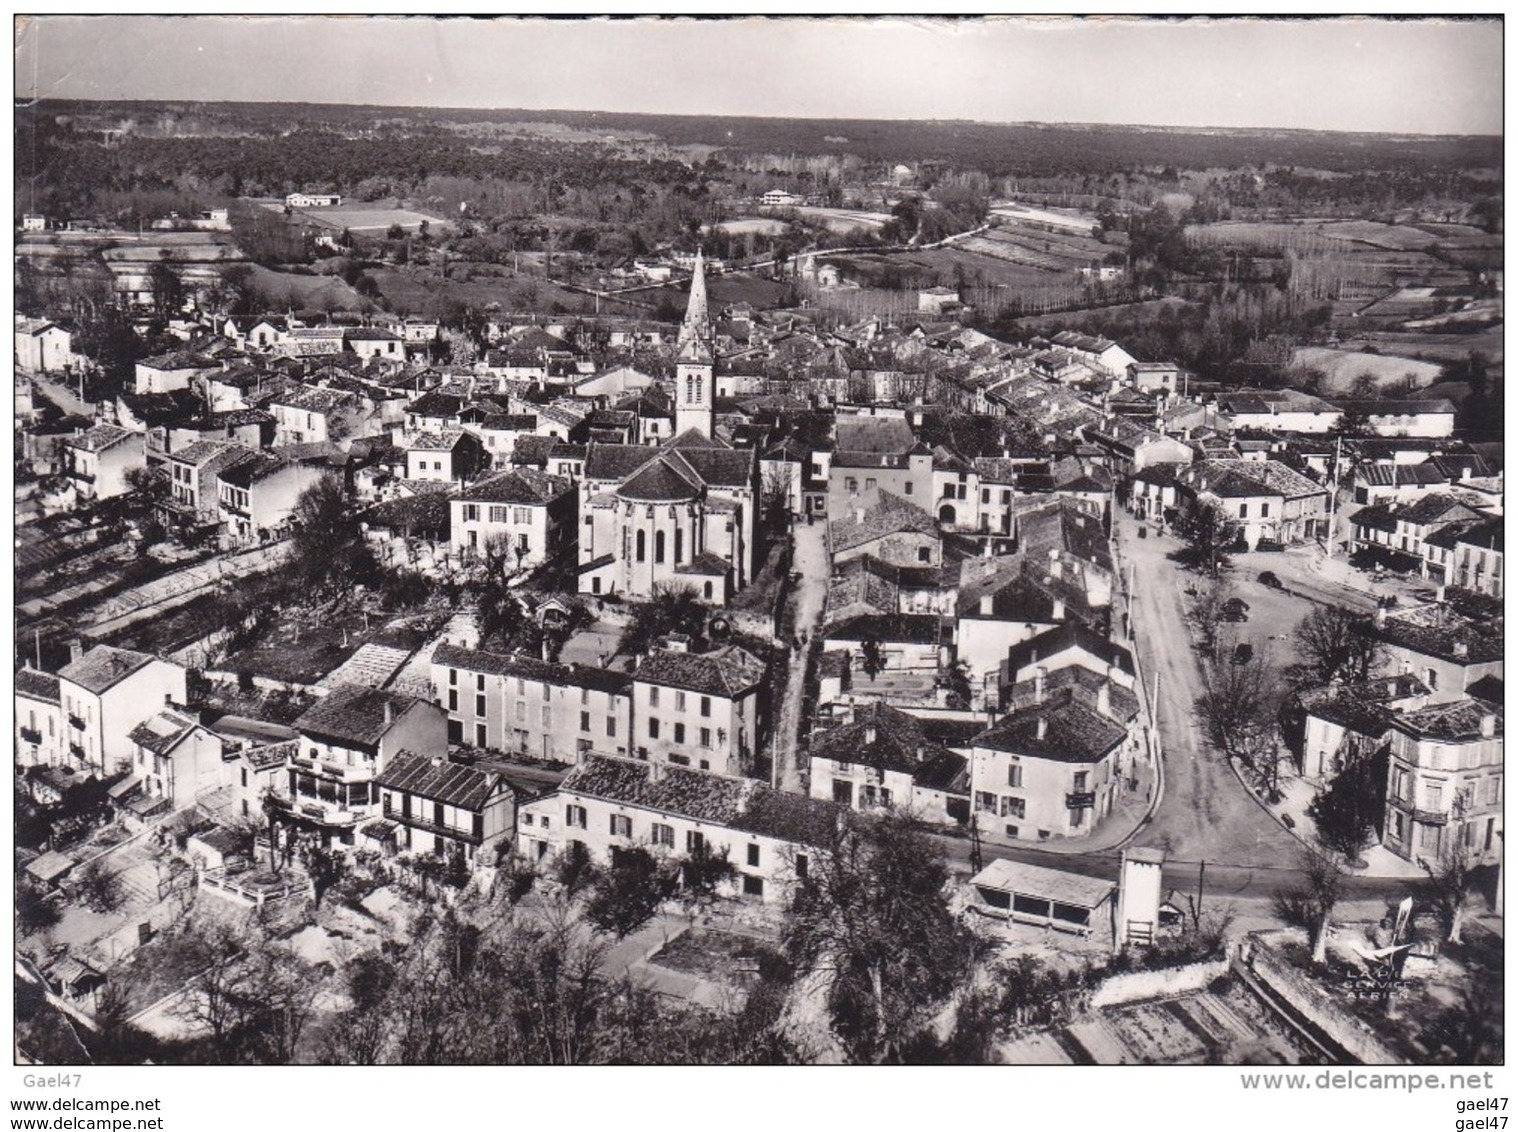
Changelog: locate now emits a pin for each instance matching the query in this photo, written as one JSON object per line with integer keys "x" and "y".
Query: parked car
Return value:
{"x": 1235, "y": 609}
{"x": 1268, "y": 579}
{"x": 1243, "y": 652}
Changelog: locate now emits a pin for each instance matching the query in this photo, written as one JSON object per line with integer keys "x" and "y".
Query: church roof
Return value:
{"x": 660, "y": 482}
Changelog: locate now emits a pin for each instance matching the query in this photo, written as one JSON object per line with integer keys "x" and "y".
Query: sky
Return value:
{"x": 1384, "y": 75}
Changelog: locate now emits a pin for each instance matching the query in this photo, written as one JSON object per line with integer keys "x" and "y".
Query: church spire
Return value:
{"x": 696, "y": 330}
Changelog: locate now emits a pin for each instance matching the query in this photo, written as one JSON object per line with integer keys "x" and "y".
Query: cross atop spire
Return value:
{"x": 696, "y": 330}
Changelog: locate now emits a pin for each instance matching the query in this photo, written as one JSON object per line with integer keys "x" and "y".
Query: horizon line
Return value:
{"x": 20, "y": 103}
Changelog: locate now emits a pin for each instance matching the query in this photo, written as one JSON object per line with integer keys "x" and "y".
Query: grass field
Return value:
{"x": 359, "y": 218}
{"x": 844, "y": 219}
{"x": 1341, "y": 367}
{"x": 758, "y": 225}
{"x": 313, "y": 292}
{"x": 734, "y": 287}
{"x": 422, "y": 291}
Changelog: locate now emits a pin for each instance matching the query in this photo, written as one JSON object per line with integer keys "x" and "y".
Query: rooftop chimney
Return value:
{"x": 76, "y": 649}
{"x": 869, "y": 734}
{"x": 677, "y": 642}
{"x": 1039, "y": 675}
{"x": 389, "y": 713}
{"x": 987, "y": 602}
{"x": 1059, "y": 610}
{"x": 1488, "y": 725}
{"x": 1391, "y": 689}
{"x": 1461, "y": 649}
{"x": 1439, "y": 593}
{"x": 1043, "y": 726}
{"x": 1104, "y": 699}
{"x": 1380, "y": 617}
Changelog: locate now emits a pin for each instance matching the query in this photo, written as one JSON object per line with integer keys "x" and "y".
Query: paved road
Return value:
{"x": 811, "y": 560}
{"x": 1205, "y": 814}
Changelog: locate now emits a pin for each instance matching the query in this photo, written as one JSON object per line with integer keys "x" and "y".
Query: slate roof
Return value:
{"x": 353, "y": 713}
{"x": 526, "y": 486}
{"x": 439, "y": 780}
{"x": 728, "y": 672}
{"x": 1074, "y": 731}
{"x": 103, "y": 667}
{"x": 37, "y": 684}
{"x": 531, "y": 668}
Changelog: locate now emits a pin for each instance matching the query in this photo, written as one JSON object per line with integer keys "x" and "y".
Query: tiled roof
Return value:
{"x": 1440, "y": 631}
{"x": 160, "y": 732}
{"x": 1069, "y": 634}
{"x": 667, "y": 789}
{"x": 1457, "y": 722}
{"x": 1403, "y": 407}
{"x": 1072, "y": 731}
{"x": 1247, "y": 478}
{"x": 37, "y": 684}
{"x": 893, "y": 628}
{"x": 530, "y": 668}
{"x": 1085, "y": 685}
{"x": 706, "y": 564}
{"x": 520, "y": 485}
{"x": 888, "y": 517}
{"x": 103, "y": 666}
{"x": 312, "y": 400}
{"x": 426, "y": 441}
{"x": 875, "y": 435}
{"x": 251, "y": 468}
{"x": 531, "y": 450}
{"x": 439, "y": 780}
{"x": 435, "y": 404}
{"x": 660, "y": 482}
{"x": 880, "y": 736}
{"x": 100, "y": 438}
{"x": 788, "y": 817}
{"x": 354, "y": 713}
{"x": 616, "y": 461}
{"x": 719, "y": 467}
{"x": 729, "y": 672}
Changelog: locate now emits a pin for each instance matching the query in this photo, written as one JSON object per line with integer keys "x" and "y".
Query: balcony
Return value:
{"x": 76, "y": 722}
{"x": 1431, "y": 817}
{"x": 31, "y": 735}
{"x": 414, "y": 822}
{"x": 1080, "y": 800}
{"x": 76, "y": 750}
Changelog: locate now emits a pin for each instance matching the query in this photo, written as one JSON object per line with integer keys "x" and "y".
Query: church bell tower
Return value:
{"x": 695, "y": 385}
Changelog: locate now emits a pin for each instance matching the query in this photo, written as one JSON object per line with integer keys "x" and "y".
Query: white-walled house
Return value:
{"x": 347, "y": 739}
{"x": 881, "y": 759}
{"x": 772, "y": 839}
{"x": 42, "y": 346}
{"x": 698, "y": 709}
{"x": 446, "y": 808}
{"x": 1445, "y": 792}
{"x": 177, "y": 761}
{"x": 39, "y": 719}
{"x": 105, "y": 694}
{"x": 97, "y": 460}
{"x": 257, "y": 495}
{"x": 534, "y": 513}
{"x": 523, "y": 705}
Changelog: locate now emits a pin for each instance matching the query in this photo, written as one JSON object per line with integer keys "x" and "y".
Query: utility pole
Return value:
{"x": 1333, "y": 495}
{"x": 1201, "y": 877}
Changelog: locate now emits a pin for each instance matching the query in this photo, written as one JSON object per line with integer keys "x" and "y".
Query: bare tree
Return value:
{"x": 1334, "y": 647}
{"x": 1208, "y": 534}
{"x": 1239, "y": 708}
{"x": 1449, "y": 884}
{"x": 1311, "y": 904}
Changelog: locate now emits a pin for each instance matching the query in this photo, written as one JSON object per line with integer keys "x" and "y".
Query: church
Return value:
{"x": 681, "y": 514}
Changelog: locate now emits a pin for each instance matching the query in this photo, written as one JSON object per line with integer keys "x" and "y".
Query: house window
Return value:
{"x": 706, "y": 705}
{"x": 1434, "y": 792}
{"x": 574, "y": 816}
{"x": 753, "y": 886}
{"x": 621, "y": 825}
{"x": 653, "y": 728}
{"x": 1264, "y": 510}
{"x": 1012, "y": 831}
{"x": 662, "y": 835}
{"x": 471, "y": 512}
{"x": 753, "y": 856}
{"x": 1399, "y": 828}
{"x": 1015, "y": 776}
{"x": 611, "y": 726}
{"x": 659, "y": 546}
{"x": 924, "y": 554}
{"x": 1014, "y": 808}
{"x": 479, "y": 705}
{"x": 480, "y": 739}
{"x": 679, "y": 760}
{"x": 801, "y": 865}
{"x": 479, "y": 682}
{"x": 908, "y": 486}
{"x": 497, "y": 514}
{"x": 679, "y": 701}
{"x": 521, "y": 712}
{"x": 843, "y": 792}
{"x": 1078, "y": 785}
{"x": 869, "y": 483}
{"x": 693, "y": 841}
{"x": 585, "y": 721}
{"x": 680, "y": 733}
{"x": 453, "y": 700}
{"x": 547, "y": 717}
{"x": 852, "y": 484}
{"x": 706, "y": 737}
{"x": 1243, "y": 510}
{"x": 653, "y": 697}
{"x": 985, "y": 801}
{"x": 641, "y": 553}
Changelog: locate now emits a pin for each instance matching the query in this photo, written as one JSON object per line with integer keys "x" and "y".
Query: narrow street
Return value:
{"x": 811, "y": 561}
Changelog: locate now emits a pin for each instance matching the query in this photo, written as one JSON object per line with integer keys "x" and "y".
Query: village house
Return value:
{"x": 1468, "y": 555}
{"x": 43, "y": 346}
{"x": 522, "y": 705}
{"x": 257, "y": 495}
{"x": 770, "y": 838}
{"x": 97, "y": 461}
{"x": 1277, "y": 410}
{"x": 1344, "y": 722}
{"x": 881, "y": 759}
{"x": 1154, "y": 377}
{"x": 177, "y": 761}
{"x": 699, "y": 709}
{"x": 445, "y": 807}
{"x": 1001, "y": 602}
{"x": 257, "y": 770}
{"x": 347, "y": 739}
{"x": 312, "y": 200}
{"x": 104, "y": 695}
{"x": 372, "y": 342}
{"x": 194, "y": 498}
{"x": 304, "y": 414}
{"x": 1396, "y": 483}
{"x": 1445, "y": 792}
{"x": 39, "y": 718}
{"x": 166, "y": 373}
{"x": 442, "y": 457}
{"x": 255, "y": 332}
{"x": 872, "y": 455}
{"x": 1102, "y": 352}
{"x": 532, "y": 514}
{"x": 1051, "y": 768}
{"x": 1402, "y": 528}
{"x": 1406, "y": 416}
{"x": 1068, "y": 644}
{"x": 1449, "y": 651}
{"x": 1260, "y": 500}
{"x": 892, "y": 529}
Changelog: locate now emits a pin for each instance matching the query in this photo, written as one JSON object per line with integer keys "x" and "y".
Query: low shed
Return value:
{"x": 1032, "y": 894}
